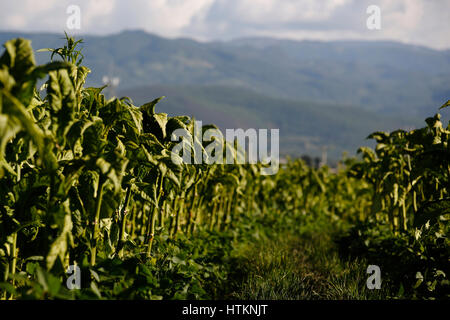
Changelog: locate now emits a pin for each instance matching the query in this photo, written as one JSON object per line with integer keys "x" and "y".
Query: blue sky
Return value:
{"x": 423, "y": 22}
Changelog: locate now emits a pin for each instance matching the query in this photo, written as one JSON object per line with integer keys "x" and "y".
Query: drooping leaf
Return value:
{"x": 431, "y": 211}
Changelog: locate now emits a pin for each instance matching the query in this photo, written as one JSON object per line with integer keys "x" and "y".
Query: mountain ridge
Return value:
{"x": 385, "y": 76}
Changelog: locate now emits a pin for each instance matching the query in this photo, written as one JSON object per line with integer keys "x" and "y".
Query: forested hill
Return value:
{"x": 379, "y": 76}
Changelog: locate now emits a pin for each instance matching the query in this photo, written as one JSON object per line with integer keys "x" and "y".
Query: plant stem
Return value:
{"x": 153, "y": 216}
{"x": 152, "y": 232}
{"x": 98, "y": 205}
{"x": 14, "y": 253}
{"x": 178, "y": 215}
{"x": 123, "y": 216}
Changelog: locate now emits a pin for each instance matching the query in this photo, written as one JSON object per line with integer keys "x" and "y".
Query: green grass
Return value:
{"x": 297, "y": 265}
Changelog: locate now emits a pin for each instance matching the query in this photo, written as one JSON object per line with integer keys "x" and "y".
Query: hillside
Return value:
{"x": 386, "y": 77}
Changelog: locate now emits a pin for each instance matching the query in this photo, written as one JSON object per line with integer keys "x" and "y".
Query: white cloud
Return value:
{"x": 276, "y": 11}
{"x": 425, "y": 22}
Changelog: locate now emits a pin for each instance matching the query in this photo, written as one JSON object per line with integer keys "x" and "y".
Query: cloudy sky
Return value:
{"x": 423, "y": 22}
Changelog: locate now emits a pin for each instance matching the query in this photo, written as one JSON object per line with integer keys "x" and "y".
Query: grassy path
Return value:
{"x": 297, "y": 266}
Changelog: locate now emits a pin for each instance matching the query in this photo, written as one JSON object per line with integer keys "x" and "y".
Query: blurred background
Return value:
{"x": 316, "y": 69}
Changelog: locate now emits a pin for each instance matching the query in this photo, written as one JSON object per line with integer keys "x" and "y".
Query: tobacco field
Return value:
{"x": 90, "y": 182}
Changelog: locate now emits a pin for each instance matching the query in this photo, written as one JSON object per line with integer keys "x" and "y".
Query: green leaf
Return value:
{"x": 16, "y": 110}
{"x": 19, "y": 58}
{"x": 61, "y": 99}
{"x": 95, "y": 290}
{"x": 6, "y": 79}
{"x": 445, "y": 105}
{"x": 431, "y": 211}
{"x": 379, "y": 136}
{"x": 149, "y": 107}
{"x": 42, "y": 71}
{"x": 419, "y": 281}
{"x": 60, "y": 245}
{"x": 8, "y": 287}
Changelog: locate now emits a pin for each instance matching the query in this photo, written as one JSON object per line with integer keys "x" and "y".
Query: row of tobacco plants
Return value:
{"x": 90, "y": 183}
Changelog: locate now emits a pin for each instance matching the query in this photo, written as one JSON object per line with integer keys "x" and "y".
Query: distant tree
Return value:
{"x": 307, "y": 160}
{"x": 317, "y": 162}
